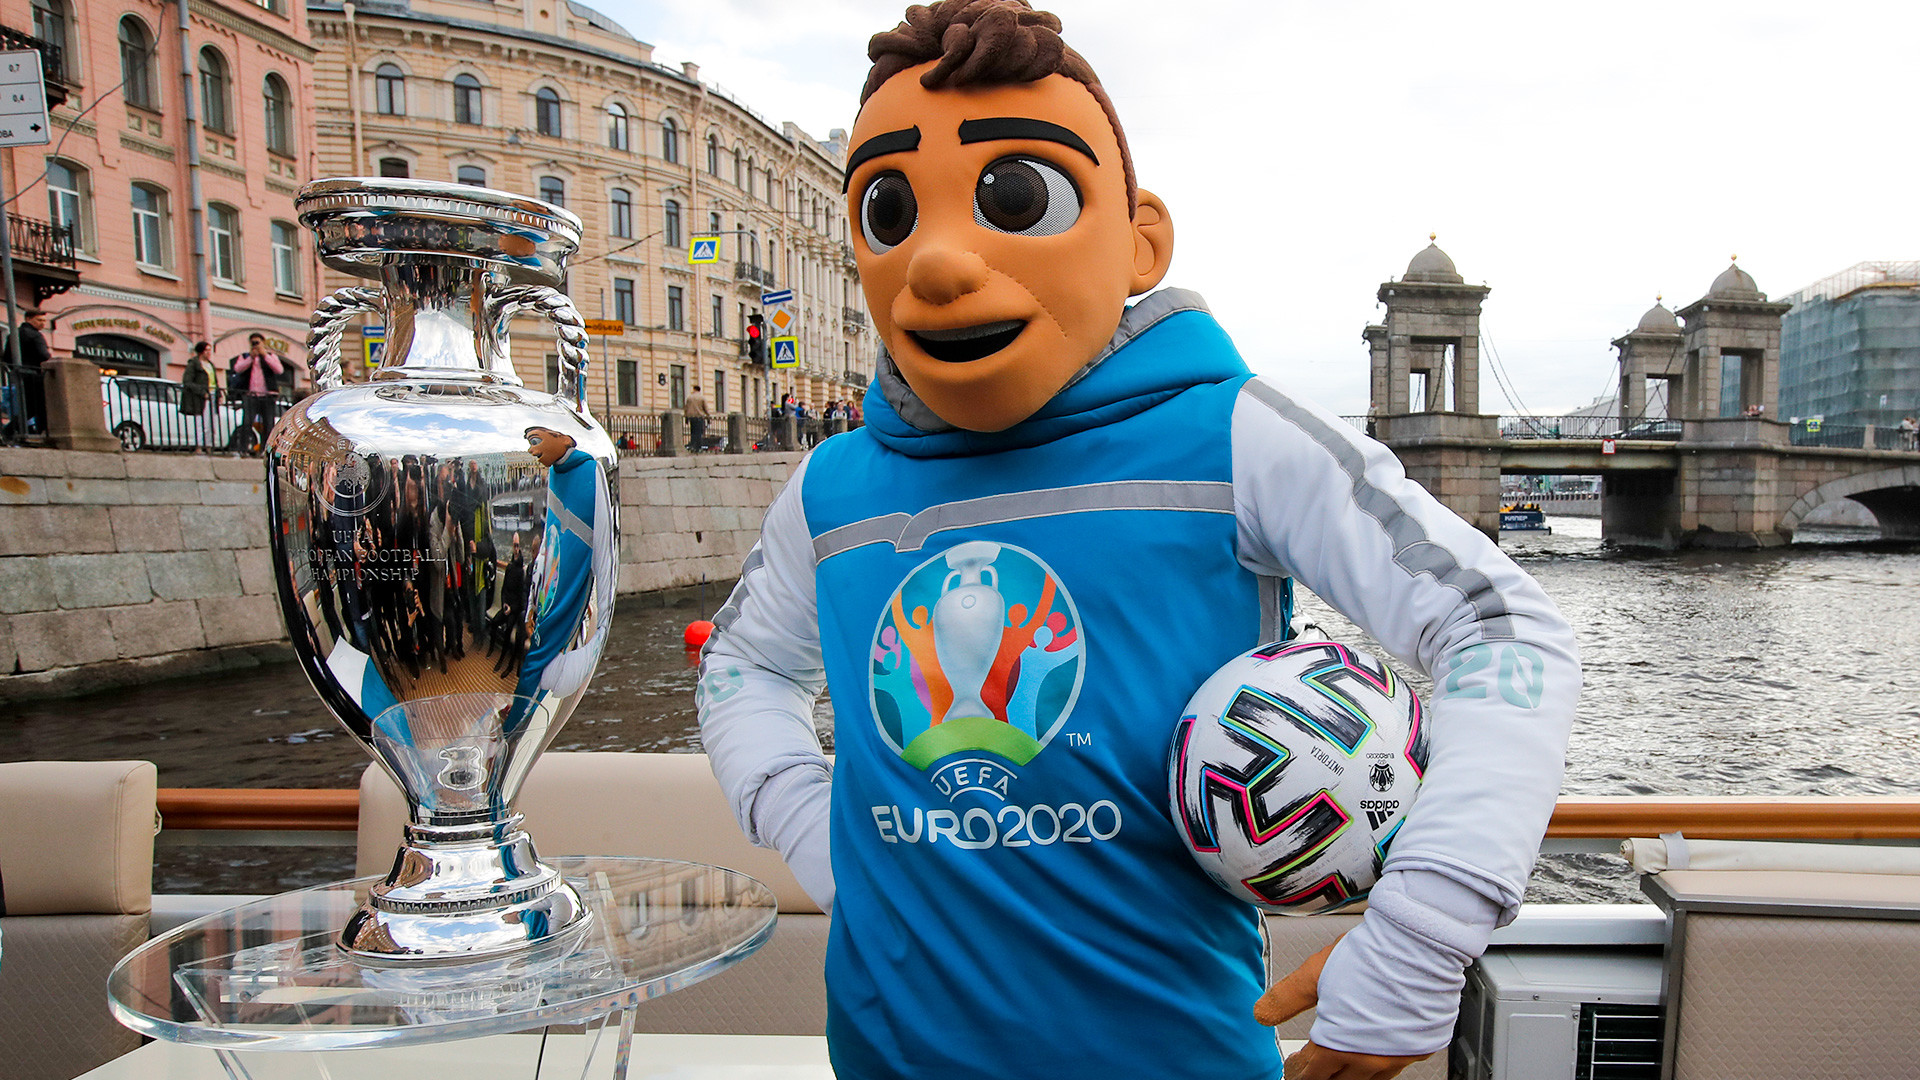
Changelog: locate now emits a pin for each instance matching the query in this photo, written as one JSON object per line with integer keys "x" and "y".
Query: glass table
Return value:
{"x": 268, "y": 976}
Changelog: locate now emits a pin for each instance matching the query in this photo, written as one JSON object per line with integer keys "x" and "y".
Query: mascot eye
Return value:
{"x": 888, "y": 212}
{"x": 1026, "y": 196}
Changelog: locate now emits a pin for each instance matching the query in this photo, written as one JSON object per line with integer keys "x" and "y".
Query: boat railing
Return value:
{"x": 328, "y": 817}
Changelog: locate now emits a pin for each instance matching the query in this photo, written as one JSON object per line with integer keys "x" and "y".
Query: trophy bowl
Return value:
{"x": 445, "y": 547}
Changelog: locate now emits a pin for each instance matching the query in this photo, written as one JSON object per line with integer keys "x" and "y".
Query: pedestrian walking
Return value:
{"x": 1909, "y": 433}
{"x": 696, "y": 410}
{"x": 34, "y": 354}
{"x": 196, "y": 390}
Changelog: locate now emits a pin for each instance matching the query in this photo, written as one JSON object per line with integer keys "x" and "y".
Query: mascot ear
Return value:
{"x": 1152, "y": 242}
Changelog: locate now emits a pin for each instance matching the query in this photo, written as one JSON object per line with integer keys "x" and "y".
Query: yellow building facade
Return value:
{"x": 552, "y": 99}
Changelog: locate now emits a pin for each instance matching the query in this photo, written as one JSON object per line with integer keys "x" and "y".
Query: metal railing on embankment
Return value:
{"x": 329, "y": 816}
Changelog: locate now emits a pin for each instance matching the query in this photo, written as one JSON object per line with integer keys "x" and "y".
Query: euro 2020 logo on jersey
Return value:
{"x": 980, "y": 651}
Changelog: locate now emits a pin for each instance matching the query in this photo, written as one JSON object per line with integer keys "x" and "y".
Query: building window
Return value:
{"x": 214, "y": 98}
{"x": 286, "y": 258}
{"x": 553, "y": 373}
{"x": 750, "y": 178}
{"x": 620, "y": 213}
{"x": 546, "y": 111}
{"x": 223, "y": 243}
{"x": 676, "y": 308}
{"x": 677, "y": 387}
{"x": 719, "y": 391}
{"x": 136, "y": 64}
{"x": 50, "y": 23}
{"x": 617, "y": 125}
{"x": 150, "y": 227}
{"x": 623, "y": 301}
{"x": 390, "y": 90}
{"x": 671, "y": 227}
{"x": 719, "y": 317}
{"x": 554, "y": 190}
{"x": 770, "y": 191}
{"x": 628, "y": 383}
{"x": 471, "y": 175}
{"x": 466, "y": 99}
{"x": 670, "y": 140}
{"x": 70, "y": 202}
{"x": 395, "y": 167}
{"x": 753, "y": 249}
{"x": 713, "y": 155}
{"x": 279, "y": 113}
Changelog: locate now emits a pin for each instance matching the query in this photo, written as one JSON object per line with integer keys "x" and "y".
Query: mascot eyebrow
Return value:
{"x": 989, "y": 129}
{"x": 889, "y": 142}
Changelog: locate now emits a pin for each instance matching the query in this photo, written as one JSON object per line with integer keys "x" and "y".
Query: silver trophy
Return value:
{"x": 445, "y": 543}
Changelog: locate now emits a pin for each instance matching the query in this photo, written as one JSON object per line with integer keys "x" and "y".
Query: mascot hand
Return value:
{"x": 1295, "y": 994}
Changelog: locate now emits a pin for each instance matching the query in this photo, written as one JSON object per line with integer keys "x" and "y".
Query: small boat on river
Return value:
{"x": 1523, "y": 517}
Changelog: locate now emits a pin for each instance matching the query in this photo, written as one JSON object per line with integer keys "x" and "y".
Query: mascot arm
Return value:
{"x": 1319, "y": 501}
{"x": 759, "y": 677}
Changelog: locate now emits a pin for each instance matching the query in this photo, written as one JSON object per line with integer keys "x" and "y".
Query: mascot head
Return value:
{"x": 999, "y": 231}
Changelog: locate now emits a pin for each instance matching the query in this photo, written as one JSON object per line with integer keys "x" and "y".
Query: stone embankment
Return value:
{"x": 116, "y": 568}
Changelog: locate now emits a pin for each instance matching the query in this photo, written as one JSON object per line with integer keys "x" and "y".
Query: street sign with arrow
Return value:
{"x": 23, "y": 99}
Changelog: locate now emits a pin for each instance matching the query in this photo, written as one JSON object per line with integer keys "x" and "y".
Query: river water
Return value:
{"x": 1787, "y": 672}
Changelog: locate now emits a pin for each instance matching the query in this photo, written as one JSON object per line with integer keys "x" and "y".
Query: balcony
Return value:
{"x": 749, "y": 274}
{"x": 43, "y": 252}
{"x": 854, "y": 319}
{"x": 52, "y": 62}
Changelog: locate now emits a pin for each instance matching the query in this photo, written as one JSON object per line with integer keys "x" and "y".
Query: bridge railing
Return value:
{"x": 1569, "y": 427}
{"x": 1835, "y": 436}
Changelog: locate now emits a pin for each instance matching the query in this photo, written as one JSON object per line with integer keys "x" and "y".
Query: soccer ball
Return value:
{"x": 1291, "y": 771}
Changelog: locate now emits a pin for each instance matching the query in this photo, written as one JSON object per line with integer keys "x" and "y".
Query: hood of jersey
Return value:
{"x": 1166, "y": 343}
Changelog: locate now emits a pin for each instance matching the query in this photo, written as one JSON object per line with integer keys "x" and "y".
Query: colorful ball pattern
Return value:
{"x": 1292, "y": 770}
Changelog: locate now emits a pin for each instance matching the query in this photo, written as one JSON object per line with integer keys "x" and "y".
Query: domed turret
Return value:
{"x": 1433, "y": 265}
{"x": 1658, "y": 320}
{"x": 1735, "y": 284}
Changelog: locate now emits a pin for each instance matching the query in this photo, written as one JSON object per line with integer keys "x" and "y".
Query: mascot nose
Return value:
{"x": 943, "y": 275}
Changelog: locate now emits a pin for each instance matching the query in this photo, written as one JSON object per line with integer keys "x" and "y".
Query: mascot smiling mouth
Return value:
{"x": 967, "y": 342}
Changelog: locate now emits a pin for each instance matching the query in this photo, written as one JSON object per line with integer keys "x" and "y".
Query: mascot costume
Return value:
{"x": 1064, "y": 512}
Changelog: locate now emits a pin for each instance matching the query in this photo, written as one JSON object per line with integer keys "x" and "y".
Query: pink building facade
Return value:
{"x": 184, "y": 135}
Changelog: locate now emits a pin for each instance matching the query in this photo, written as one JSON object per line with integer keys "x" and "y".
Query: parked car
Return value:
{"x": 145, "y": 413}
{"x": 1659, "y": 430}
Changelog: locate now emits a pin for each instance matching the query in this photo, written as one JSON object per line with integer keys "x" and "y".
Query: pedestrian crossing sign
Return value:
{"x": 704, "y": 249}
{"x": 786, "y": 352}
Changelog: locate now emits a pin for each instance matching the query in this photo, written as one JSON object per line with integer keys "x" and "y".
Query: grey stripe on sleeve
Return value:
{"x": 1413, "y": 549}
{"x": 738, "y": 597}
{"x": 911, "y": 533}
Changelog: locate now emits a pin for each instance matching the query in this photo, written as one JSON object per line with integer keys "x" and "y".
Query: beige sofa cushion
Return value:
{"x": 54, "y": 1022}
{"x": 76, "y": 837}
{"x": 664, "y": 806}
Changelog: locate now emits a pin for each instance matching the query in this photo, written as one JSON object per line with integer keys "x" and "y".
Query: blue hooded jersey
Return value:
{"x": 1011, "y": 624}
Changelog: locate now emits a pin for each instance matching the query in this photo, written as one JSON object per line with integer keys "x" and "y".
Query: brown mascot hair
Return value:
{"x": 987, "y": 43}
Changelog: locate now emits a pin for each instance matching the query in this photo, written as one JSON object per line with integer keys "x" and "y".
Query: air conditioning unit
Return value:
{"x": 1559, "y": 1014}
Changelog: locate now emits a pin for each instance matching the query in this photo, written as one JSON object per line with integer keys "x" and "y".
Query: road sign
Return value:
{"x": 606, "y": 327}
{"x": 23, "y": 99}
{"x": 777, "y": 306}
{"x": 373, "y": 345}
{"x": 704, "y": 249}
{"x": 1606, "y": 446}
{"x": 786, "y": 352}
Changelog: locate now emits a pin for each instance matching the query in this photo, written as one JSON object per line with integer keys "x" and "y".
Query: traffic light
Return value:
{"x": 756, "y": 339}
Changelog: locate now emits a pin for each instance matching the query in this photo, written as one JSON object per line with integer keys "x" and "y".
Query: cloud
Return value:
{"x": 1579, "y": 160}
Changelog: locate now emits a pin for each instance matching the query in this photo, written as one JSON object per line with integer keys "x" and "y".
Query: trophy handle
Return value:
{"x": 569, "y": 328}
{"x": 329, "y": 322}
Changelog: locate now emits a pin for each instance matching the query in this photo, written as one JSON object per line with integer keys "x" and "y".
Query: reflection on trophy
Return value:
{"x": 444, "y": 541}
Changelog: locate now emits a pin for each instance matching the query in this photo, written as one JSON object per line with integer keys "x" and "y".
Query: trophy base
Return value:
{"x": 458, "y": 895}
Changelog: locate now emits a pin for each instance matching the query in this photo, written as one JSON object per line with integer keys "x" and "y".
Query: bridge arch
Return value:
{"x": 1893, "y": 495}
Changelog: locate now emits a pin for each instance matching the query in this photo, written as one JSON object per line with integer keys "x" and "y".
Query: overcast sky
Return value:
{"x": 1577, "y": 158}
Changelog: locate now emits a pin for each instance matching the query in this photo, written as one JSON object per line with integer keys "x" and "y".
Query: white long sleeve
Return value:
{"x": 759, "y": 675}
{"x": 1333, "y": 509}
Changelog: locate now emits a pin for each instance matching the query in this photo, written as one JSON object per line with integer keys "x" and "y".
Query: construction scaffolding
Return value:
{"x": 1850, "y": 347}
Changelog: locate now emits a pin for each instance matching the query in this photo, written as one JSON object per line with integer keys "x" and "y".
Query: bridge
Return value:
{"x": 1699, "y": 479}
